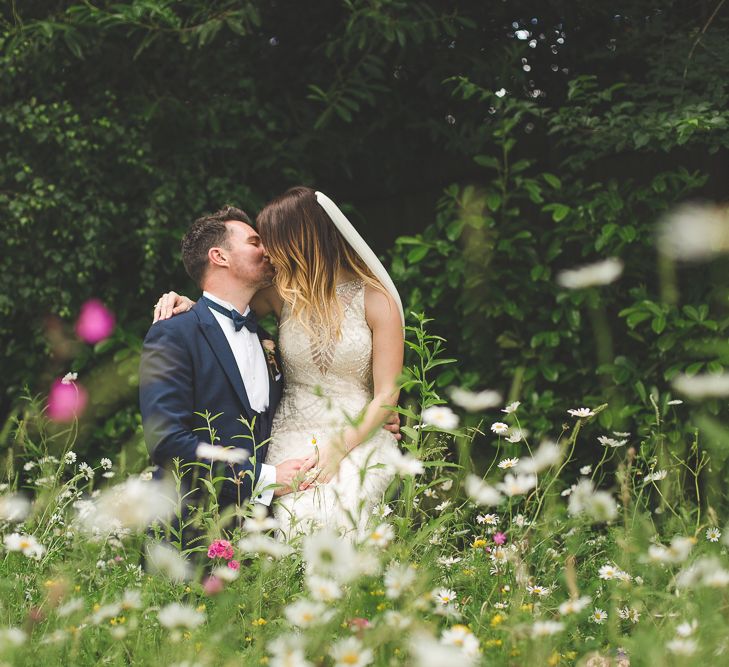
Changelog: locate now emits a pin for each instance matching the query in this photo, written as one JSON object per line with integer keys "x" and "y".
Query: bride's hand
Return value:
{"x": 169, "y": 304}
{"x": 326, "y": 461}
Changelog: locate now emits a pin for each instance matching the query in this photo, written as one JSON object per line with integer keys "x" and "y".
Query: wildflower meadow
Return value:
{"x": 532, "y": 556}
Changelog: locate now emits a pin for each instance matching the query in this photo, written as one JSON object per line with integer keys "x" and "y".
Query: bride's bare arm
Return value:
{"x": 383, "y": 318}
{"x": 267, "y": 300}
{"x": 169, "y": 304}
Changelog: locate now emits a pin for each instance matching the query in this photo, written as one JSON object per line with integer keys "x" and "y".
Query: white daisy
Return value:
{"x": 508, "y": 463}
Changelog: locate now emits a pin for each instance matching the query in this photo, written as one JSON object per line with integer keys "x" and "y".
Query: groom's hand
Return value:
{"x": 393, "y": 425}
{"x": 287, "y": 471}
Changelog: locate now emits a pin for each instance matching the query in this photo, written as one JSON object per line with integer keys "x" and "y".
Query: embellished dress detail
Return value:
{"x": 328, "y": 386}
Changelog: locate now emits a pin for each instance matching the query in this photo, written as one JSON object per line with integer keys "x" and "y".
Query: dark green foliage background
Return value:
{"x": 121, "y": 122}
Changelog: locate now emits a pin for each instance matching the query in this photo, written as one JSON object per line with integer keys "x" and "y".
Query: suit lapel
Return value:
{"x": 221, "y": 349}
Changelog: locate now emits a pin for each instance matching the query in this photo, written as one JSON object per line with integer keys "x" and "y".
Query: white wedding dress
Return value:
{"x": 328, "y": 384}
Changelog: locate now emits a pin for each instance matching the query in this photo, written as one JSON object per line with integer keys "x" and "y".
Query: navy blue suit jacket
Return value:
{"x": 187, "y": 367}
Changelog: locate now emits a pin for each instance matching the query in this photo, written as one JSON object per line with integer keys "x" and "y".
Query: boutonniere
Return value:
{"x": 269, "y": 349}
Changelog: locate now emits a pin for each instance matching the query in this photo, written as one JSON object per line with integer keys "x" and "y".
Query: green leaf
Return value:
{"x": 552, "y": 180}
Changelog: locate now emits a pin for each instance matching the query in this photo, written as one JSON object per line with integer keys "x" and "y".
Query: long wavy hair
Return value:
{"x": 308, "y": 252}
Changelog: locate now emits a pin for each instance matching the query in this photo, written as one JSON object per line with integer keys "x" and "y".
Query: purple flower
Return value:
{"x": 95, "y": 322}
{"x": 499, "y": 538}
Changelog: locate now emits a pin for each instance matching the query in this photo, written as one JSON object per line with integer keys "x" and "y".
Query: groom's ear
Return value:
{"x": 218, "y": 256}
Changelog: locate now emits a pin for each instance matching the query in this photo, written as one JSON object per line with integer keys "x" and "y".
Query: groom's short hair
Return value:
{"x": 207, "y": 232}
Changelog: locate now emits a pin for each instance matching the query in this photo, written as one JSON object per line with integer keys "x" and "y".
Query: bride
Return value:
{"x": 341, "y": 344}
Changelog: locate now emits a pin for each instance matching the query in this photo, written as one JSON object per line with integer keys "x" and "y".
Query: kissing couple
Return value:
{"x": 307, "y": 420}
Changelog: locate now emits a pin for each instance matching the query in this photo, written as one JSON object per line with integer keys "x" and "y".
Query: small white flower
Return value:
{"x": 461, "y": 637}
{"x": 500, "y": 92}
{"x": 440, "y": 416}
{"x": 14, "y": 508}
{"x": 444, "y": 596}
{"x": 599, "y": 273}
{"x": 511, "y": 408}
{"x": 475, "y": 401}
{"x": 68, "y": 378}
{"x": 687, "y": 629}
{"x": 548, "y": 454}
{"x": 382, "y": 511}
{"x": 574, "y": 606}
{"x": 608, "y": 571}
{"x": 349, "y": 652}
{"x": 581, "y": 412}
{"x": 106, "y": 464}
{"x": 517, "y": 485}
{"x": 508, "y": 463}
{"x": 322, "y": 588}
{"x": 28, "y": 545}
{"x": 629, "y": 614}
{"x": 166, "y": 560}
{"x": 398, "y": 578}
{"x": 86, "y": 470}
{"x": 685, "y": 647}
{"x": 621, "y": 434}
{"x": 259, "y": 521}
{"x": 611, "y": 442}
{"x": 448, "y": 561}
{"x": 516, "y": 435}
{"x": 546, "y": 628}
{"x": 675, "y": 401}
{"x": 598, "y": 616}
{"x": 305, "y": 613}
{"x": 403, "y": 464}
{"x": 480, "y": 492}
{"x": 500, "y": 428}
{"x": 488, "y": 519}
{"x": 540, "y": 591}
{"x": 257, "y": 543}
{"x": 445, "y": 504}
{"x": 382, "y": 535}
{"x": 694, "y": 232}
{"x": 585, "y": 470}
{"x": 713, "y": 534}
{"x": 176, "y": 615}
{"x": 655, "y": 476}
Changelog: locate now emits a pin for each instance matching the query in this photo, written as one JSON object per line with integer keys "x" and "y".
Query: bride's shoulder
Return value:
{"x": 267, "y": 300}
{"x": 379, "y": 305}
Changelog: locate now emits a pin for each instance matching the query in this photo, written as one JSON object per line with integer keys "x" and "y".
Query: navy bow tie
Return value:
{"x": 239, "y": 321}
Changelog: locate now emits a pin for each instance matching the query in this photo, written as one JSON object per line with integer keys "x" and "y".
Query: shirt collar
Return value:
{"x": 225, "y": 304}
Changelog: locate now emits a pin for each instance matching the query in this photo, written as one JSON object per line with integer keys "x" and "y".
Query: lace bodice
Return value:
{"x": 327, "y": 380}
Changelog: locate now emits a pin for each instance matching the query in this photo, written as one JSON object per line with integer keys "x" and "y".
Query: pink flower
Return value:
{"x": 220, "y": 549}
{"x": 499, "y": 538}
{"x": 212, "y": 585}
{"x": 234, "y": 564}
{"x": 95, "y": 322}
{"x": 66, "y": 401}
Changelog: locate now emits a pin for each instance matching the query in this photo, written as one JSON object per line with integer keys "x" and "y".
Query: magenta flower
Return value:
{"x": 499, "y": 538}
{"x": 95, "y": 321}
{"x": 234, "y": 564}
{"x": 220, "y": 549}
{"x": 66, "y": 401}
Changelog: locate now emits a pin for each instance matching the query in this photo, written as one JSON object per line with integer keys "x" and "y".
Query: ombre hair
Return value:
{"x": 308, "y": 252}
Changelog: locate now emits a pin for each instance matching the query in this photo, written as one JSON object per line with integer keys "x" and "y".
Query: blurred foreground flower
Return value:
{"x": 349, "y": 652}
{"x": 694, "y": 232}
{"x": 66, "y": 401}
{"x": 599, "y": 273}
{"x": 133, "y": 505}
{"x": 95, "y": 322}
{"x": 225, "y": 454}
{"x": 168, "y": 561}
{"x": 440, "y": 416}
{"x": 704, "y": 385}
{"x": 27, "y": 544}
{"x": 481, "y": 493}
{"x": 177, "y": 615}
{"x": 14, "y": 508}
{"x": 597, "y": 505}
{"x": 474, "y": 401}
{"x": 548, "y": 454}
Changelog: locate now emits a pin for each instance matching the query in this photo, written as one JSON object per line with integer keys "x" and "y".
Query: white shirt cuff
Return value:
{"x": 266, "y": 478}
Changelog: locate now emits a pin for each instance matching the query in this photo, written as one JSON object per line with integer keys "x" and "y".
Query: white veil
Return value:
{"x": 353, "y": 237}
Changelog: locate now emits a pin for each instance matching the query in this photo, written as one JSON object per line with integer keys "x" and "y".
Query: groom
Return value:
{"x": 211, "y": 359}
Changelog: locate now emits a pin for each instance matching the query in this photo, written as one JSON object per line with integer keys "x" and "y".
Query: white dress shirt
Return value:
{"x": 251, "y": 361}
